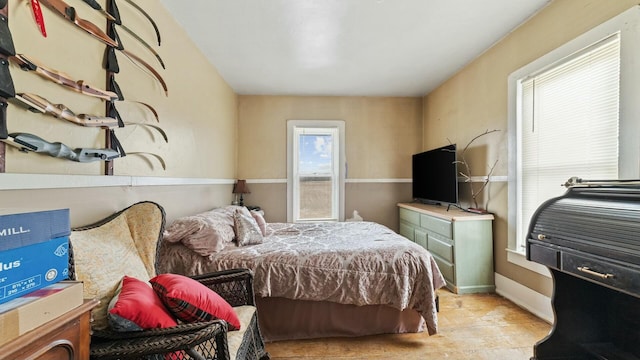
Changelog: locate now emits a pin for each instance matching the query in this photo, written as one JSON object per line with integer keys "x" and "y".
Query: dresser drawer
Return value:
{"x": 407, "y": 231}
{"x": 441, "y": 248}
{"x": 410, "y": 216}
{"x": 446, "y": 268}
{"x": 421, "y": 237}
{"x": 435, "y": 224}
{"x": 622, "y": 277}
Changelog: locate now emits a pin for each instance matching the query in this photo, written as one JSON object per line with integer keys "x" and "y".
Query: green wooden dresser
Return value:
{"x": 460, "y": 242}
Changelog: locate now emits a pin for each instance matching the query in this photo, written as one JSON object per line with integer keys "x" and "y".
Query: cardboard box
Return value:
{"x": 26, "y": 313}
{"x": 28, "y": 268}
{"x": 18, "y": 230}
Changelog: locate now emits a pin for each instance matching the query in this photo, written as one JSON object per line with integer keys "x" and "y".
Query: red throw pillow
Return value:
{"x": 138, "y": 307}
{"x": 190, "y": 301}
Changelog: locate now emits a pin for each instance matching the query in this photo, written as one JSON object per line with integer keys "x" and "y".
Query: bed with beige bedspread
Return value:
{"x": 358, "y": 264}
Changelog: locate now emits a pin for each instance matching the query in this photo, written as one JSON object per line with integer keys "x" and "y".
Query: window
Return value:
{"x": 569, "y": 113}
{"x": 568, "y": 126}
{"x": 315, "y": 181}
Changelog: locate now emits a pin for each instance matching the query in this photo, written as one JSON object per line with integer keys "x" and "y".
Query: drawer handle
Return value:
{"x": 586, "y": 270}
{"x": 542, "y": 236}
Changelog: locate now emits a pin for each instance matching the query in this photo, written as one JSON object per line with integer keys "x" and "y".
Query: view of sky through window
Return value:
{"x": 315, "y": 154}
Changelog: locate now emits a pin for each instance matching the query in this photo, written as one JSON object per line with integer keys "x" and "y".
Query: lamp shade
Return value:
{"x": 241, "y": 187}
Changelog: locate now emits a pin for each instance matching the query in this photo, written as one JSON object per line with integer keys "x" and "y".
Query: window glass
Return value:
{"x": 315, "y": 180}
{"x": 316, "y": 174}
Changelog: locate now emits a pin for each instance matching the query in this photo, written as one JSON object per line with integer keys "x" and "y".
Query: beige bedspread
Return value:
{"x": 360, "y": 263}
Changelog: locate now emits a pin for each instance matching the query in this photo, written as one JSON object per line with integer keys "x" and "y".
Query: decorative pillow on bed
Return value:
{"x": 204, "y": 233}
{"x": 247, "y": 230}
{"x": 259, "y": 218}
{"x": 137, "y": 307}
{"x": 190, "y": 301}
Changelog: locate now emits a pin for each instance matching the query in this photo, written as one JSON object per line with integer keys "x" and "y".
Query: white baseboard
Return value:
{"x": 533, "y": 301}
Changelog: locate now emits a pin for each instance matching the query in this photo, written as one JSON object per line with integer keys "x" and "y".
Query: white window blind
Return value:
{"x": 568, "y": 126}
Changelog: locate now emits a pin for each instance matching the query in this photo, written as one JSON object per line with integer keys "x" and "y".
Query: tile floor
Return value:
{"x": 472, "y": 326}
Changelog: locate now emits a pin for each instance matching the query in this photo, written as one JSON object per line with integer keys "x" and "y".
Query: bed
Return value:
{"x": 315, "y": 279}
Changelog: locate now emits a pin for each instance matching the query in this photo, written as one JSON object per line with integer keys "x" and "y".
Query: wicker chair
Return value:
{"x": 144, "y": 223}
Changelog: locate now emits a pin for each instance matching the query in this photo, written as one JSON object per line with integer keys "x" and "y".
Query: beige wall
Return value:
{"x": 381, "y": 135}
{"x": 199, "y": 116}
{"x": 475, "y": 100}
{"x": 91, "y": 204}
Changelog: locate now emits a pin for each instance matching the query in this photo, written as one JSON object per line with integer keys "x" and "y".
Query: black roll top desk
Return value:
{"x": 589, "y": 238}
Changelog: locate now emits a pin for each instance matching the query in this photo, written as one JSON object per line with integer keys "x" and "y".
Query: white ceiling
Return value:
{"x": 345, "y": 47}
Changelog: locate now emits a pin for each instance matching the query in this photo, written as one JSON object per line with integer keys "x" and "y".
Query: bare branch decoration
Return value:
{"x": 466, "y": 172}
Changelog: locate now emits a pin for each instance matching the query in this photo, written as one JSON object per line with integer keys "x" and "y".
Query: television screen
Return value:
{"x": 435, "y": 175}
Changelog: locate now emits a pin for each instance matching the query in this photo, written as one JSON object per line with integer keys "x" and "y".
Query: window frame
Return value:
{"x": 627, "y": 24}
{"x": 338, "y": 125}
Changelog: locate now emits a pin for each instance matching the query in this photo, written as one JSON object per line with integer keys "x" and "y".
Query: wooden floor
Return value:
{"x": 473, "y": 326}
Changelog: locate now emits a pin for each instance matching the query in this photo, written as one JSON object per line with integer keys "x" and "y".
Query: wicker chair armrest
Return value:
{"x": 234, "y": 285}
{"x": 134, "y": 345}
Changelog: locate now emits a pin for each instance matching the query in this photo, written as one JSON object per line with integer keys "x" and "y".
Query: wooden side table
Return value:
{"x": 67, "y": 337}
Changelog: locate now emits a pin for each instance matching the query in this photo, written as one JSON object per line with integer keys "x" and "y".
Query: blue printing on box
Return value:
{"x": 32, "y": 267}
{"x": 18, "y": 230}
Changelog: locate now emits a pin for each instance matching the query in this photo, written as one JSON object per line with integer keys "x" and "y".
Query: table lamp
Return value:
{"x": 241, "y": 188}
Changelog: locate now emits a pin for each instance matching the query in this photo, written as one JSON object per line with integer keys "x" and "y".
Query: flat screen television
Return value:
{"x": 435, "y": 176}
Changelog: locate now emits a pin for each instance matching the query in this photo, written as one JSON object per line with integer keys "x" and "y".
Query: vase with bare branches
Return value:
{"x": 466, "y": 173}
